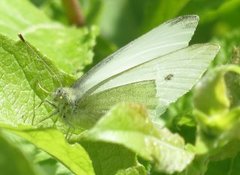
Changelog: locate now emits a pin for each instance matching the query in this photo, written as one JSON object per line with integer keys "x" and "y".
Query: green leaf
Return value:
{"x": 129, "y": 126}
{"x": 53, "y": 142}
{"x": 22, "y": 70}
{"x": 16, "y": 16}
{"x": 41, "y": 160}
{"x": 228, "y": 166}
{"x": 179, "y": 118}
{"x": 24, "y": 74}
{"x": 136, "y": 170}
{"x": 233, "y": 80}
{"x": 68, "y": 47}
{"x": 212, "y": 90}
{"x": 197, "y": 167}
{"x": 228, "y": 151}
{"x": 13, "y": 160}
{"x": 218, "y": 120}
{"x": 108, "y": 158}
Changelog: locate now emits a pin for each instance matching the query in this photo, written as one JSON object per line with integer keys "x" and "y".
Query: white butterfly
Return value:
{"x": 154, "y": 70}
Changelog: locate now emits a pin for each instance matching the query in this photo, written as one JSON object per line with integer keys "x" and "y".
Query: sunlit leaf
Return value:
{"x": 128, "y": 125}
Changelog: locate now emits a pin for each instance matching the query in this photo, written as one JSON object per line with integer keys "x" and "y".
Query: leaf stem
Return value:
{"x": 74, "y": 12}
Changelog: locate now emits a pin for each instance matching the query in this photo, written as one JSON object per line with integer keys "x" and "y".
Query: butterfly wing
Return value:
{"x": 155, "y": 83}
{"x": 168, "y": 37}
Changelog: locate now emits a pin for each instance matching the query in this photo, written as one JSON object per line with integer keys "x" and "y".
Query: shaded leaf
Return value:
{"x": 13, "y": 160}
{"x": 228, "y": 166}
{"x": 108, "y": 158}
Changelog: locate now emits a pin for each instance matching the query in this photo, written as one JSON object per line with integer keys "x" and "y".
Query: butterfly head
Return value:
{"x": 65, "y": 102}
{"x": 64, "y": 96}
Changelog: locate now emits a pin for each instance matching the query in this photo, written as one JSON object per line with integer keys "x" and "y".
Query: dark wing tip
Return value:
{"x": 185, "y": 19}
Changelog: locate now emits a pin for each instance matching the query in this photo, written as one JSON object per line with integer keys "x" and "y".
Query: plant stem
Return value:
{"x": 74, "y": 12}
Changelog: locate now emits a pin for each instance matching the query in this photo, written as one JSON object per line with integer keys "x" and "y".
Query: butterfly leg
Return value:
{"x": 55, "y": 121}
{"x": 68, "y": 133}
{"x": 43, "y": 89}
{"x": 38, "y": 106}
{"x": 48, "y": 117}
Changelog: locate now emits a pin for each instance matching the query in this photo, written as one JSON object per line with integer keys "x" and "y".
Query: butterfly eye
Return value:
{"x": 64, "y": 116}
{"x": 58, "y": 91}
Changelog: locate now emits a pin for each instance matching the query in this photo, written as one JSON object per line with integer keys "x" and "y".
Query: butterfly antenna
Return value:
{"x": 42, "y": 60}
{"x": 21, "y": 37}
{"x": 43, "y": 89}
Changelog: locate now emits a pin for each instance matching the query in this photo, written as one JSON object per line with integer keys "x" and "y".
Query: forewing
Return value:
{"x": 168, "y": 37}
{"x": 155, "y": 83}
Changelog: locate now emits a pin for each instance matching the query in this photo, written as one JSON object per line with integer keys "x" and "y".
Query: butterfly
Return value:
{"x": 154, "y": 70}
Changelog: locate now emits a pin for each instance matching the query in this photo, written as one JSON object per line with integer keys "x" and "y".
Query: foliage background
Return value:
{"x": 114, "y": 24}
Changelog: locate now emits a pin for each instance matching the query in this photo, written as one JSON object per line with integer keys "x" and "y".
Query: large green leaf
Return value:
{"x": 24, "y": 75}
{"x": 129, "y": 126}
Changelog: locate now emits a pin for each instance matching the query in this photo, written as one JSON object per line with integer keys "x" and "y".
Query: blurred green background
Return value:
{"x": 121, "y": 21}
